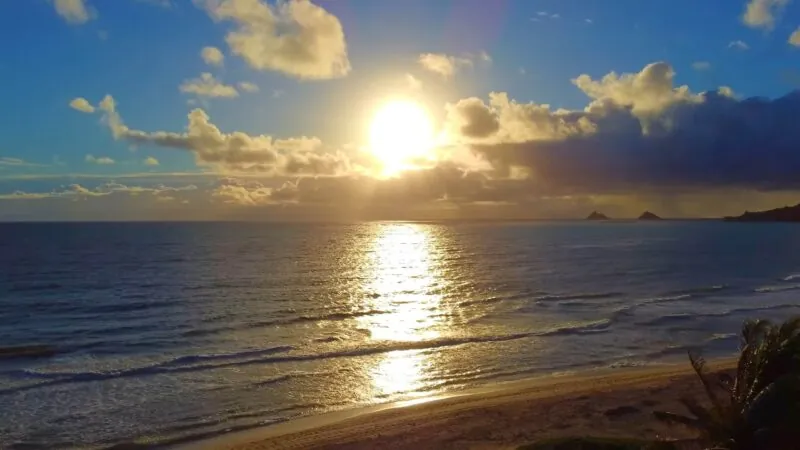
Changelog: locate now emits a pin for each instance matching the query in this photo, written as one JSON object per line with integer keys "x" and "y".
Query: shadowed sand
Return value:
{"x": 610, "y": 403}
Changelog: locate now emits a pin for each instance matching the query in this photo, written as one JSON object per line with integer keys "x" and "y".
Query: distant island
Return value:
{"x": 597, "y": 216}
{"x": 647, "y": 215}
{"x": 785, "y": 214}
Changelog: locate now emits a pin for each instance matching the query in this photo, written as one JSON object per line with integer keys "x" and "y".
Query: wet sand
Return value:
{"x": 608, "y": 403}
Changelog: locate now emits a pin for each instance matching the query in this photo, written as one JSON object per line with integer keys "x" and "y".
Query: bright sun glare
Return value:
{"x": 400, "y": 132}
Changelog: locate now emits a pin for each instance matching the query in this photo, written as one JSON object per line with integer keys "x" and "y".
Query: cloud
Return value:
{"x": 701, "y": 65}
{"x": 208, "y": 86}
{"x": 444, "y": 182}
{"x": 642, "y": 141}
{"x": 413, "y": 82}
{"x": 82, "y": 105}
{"x": 74, "y": 12}
{"x": 150, "y": 161}
{"x": 442, "y": 64}
{"x": 247, "y": 86}
{"x": 110, "y": 188}
{"x": 589, "y": 21}
{"x": 794, "y": 38}
{"x": 103, "y": 160}
{"x": 295, "y": 37}
{"x": 447, "y": 65}
{"x": 212, "y": 56}
{"x": 762, "y": 13}
{"x": 638, "y": 133}
{"x": 649, "y": 90}
{"x": 739, "y": 45}
{"x": 547, "y": 15}
{"x": 7, "y": 161}
{"x": 472, "y": 118}
{"x": 235, "y": 151}
{"x": 109, "y": 200}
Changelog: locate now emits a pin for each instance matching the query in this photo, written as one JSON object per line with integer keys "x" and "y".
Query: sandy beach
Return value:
{"x": 610, "y": 403}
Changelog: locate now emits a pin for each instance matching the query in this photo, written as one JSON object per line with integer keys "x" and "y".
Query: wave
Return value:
{"x": 698, "y": 290}
{"x": 764, "y": 308}
{"x": 589, "y": 295}
{"x": 682, "y": 317}
{"x": 336, "y": 316}
{"x": 130, "y": 307}
{"x": 333, "y": 316}
{"x": 501, "y": 298}
{"x": 665, "y": 299}
{"x": 722, "y": 337}
{"x": 582, "y": 328}
{"x": 779, "y": 288}
{"x": 268, "y": 356}
{"x": 670, "y": 318}
{"x": 675, "y": 296}
{"x": 791, "y": 277}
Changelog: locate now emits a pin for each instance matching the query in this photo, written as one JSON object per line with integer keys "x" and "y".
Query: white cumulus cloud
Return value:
{"x": 413, "y": 82}
{"x": 212, "y": 56}
{"x": 794, "y": 38}
{"x": 82, "y": 105}
{"x": 102, "y": 160}
{"x": 445, "y": 65}
{"x": 75, "y": 12}
{"x": 208, "y": 86}
{"x": 247, "y": 86}
{"x": 234, "y": 151}
{"x": 150, "y": 161}
{"x": 295, "y": 37}
{"x": 763, "y": 13}
{"x": 738, "y": 45}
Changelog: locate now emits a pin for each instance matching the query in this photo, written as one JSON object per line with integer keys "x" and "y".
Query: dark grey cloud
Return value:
{"x": 718, "y": 142}
{"x": 639, "y": 132}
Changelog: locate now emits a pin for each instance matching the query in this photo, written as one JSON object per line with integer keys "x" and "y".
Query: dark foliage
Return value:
{"x": 758, "y": 406}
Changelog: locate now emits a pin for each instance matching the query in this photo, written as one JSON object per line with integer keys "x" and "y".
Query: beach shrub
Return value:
{"x": 757, "y": 406}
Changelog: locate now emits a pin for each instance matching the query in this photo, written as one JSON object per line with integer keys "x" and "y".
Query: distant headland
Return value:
{"x": 785, "y": 214}
{"x": 597, "y": 216}
{"x": 647, "y": 215}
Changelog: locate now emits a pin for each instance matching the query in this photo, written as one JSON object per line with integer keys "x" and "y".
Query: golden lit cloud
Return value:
{"x": 82, "y": 105}
{"x": 295, "y": 37}
{"x": 208, "y": 86}
{"x": 75, "y": 12}
{"x": 212, "y": 56}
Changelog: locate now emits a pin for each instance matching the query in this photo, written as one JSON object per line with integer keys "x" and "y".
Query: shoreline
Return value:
{"x": 631, "y": 393}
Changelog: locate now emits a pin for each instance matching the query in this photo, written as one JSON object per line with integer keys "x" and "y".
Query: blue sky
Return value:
{"x": 142, "y": 51}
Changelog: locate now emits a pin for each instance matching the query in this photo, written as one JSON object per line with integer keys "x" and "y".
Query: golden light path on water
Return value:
{"x": 405, "y": 281}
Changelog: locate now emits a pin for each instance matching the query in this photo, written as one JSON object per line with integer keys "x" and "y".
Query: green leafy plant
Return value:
{"x": 758, "y": 405}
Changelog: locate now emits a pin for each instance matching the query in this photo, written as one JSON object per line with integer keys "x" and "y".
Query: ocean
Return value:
{"x": 170, "y": 332}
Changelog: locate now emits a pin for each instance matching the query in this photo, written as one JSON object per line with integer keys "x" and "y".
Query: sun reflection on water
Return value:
{"x": 405, "y": 283}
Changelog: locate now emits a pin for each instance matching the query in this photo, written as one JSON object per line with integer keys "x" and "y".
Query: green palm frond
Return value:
{"x": 758, "y": 406}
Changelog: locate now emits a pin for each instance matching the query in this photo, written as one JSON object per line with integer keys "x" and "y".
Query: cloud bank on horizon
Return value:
{"x": 641, "y": 140}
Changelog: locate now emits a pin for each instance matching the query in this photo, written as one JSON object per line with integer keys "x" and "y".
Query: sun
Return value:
{"x": 401, "y": 131}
